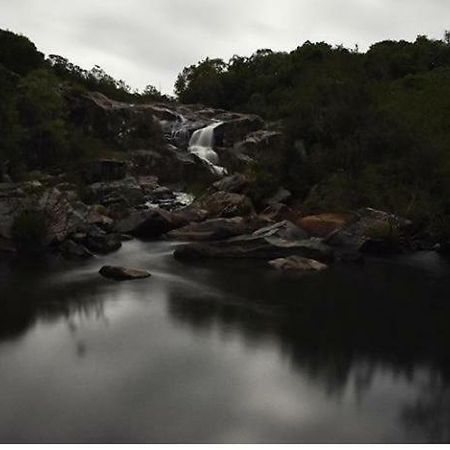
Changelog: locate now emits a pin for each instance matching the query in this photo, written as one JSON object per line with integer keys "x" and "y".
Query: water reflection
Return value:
{"x": 373, "y": 340}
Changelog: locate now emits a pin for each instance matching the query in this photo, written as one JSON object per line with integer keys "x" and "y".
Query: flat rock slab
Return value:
{"x": 123, "y": 273}
{"x": 298, "y": 264}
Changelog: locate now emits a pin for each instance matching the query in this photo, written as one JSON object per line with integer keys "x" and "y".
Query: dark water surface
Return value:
{"x": 228, "y": 352}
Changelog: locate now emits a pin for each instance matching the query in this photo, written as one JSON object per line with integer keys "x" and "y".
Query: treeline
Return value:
{"x": 35, "y": 129}
{"x": 364, "y": 129}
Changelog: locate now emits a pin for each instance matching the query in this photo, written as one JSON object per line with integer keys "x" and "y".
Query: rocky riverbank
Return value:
{"x": 160, "y": 189}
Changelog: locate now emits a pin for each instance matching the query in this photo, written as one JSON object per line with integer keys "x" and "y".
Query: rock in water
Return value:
{"x": 123, "y": 273}
{"x": 254, "y": 247}
{"x": 298, "y": 264}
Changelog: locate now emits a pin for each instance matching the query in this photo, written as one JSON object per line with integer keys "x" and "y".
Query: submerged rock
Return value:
{"x": 123, "y": 273}
{"x": 298, "y": 264}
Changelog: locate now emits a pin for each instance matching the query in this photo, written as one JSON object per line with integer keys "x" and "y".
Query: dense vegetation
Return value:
{"x": 36, "y": 132}
{"x": 363, "y": 128}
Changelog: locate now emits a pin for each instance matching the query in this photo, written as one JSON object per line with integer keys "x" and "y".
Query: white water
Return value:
{"x": 202, "y": 143}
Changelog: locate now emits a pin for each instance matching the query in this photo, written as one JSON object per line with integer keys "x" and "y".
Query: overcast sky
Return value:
{"x": 150, "y": 41}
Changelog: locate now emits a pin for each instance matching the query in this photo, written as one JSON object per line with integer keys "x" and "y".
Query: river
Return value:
{"x": 228, "y": 352}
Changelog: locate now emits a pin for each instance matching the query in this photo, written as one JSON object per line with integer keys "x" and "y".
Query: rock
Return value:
{"x": 126, "y": 192}
{"x": 265, "y": 147}
{"x": 150, "y": 224}
{"x": 64, "y": 215}
{"x": 298, "y": 264}
{"x": 225, "y": 204}
{"x": 235, "y": 128}
{"x": 216, "y": 229}
{"x": 104, "y": 170}
{"x": 277, "y": 212}
{"x": 103, "y": 243}
{"x": 372, "y": 231}
{"x": 236, "y": 184}
{"x": 252, "y": 247}
{"x": 123, "y": 273}
{"x": 71, "y": 250}
{"x": 125, "y": 237}
{"x": 123, "y": 126}
{"x": 97, "y": 216}
{"x": 283, "y": 230}
{"x": 172, "y": 165}
{"x": 323, "y": 225}
{"x": 192, "y": 214}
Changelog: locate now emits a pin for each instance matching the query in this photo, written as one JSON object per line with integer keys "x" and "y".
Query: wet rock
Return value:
{"x": 225, "y": 204}
{"x": 298, "y": 264}
{"x": 123, "y": 273}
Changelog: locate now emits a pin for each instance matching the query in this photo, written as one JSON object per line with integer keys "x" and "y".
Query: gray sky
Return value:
{"x": 150, "y": 41}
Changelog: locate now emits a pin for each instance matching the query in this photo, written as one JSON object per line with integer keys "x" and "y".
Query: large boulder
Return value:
{"x": 150, "y": 224}
{"x": 123, "y": 273}
{"x": 126, "y": 193}
{"x": 225, "y": 204}
{"x": 124, "y": 126}
{"x": 254, "y": 247}
{"x": 372, "y": 231}
{"x": 172, "y": 165}
{"x": 236, "y": 184}
{"x": 234, "y": 129}
{"x": 216, "y": 229}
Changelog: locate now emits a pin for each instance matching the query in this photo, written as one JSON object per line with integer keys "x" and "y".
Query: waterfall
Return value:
{"x": 202, "y": 143}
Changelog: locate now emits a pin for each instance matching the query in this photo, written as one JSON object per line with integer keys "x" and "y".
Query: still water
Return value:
{"x": 224, "y": 352}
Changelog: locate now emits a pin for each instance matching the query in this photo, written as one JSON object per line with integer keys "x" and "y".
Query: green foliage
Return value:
{"x": 30, "y": 231}
{"x": 363, "y": 129}
{"x": 41, "y": 110}
{"x": 18, "y": 54}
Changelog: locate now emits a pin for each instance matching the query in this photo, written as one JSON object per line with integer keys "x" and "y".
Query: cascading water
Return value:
{"x": 202, "y": 143}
